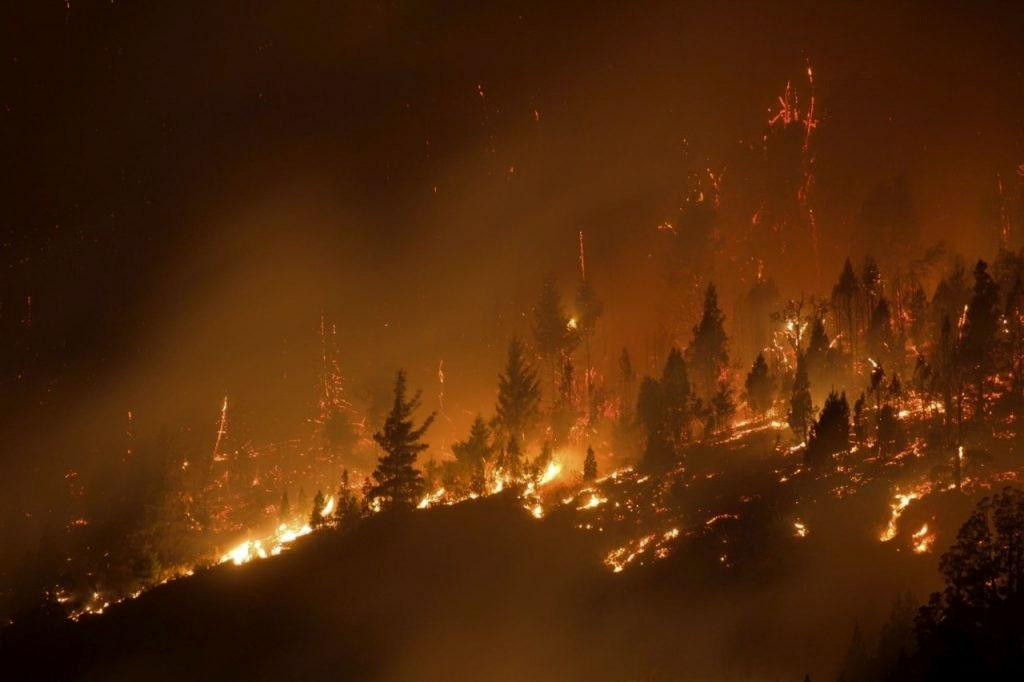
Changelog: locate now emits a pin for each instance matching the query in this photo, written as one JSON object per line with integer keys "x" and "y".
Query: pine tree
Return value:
{"x": 708, "y": 352}
{"x": 397, "y": 483}
{"x": 651, "y": 413}
{"x": 590, "y": 466}
{"x": 800, "y": 407}
{"x": 723, "y": 407}
{"x": 472, "y": 455}
{"x": 979, "y": 340}
{"x": 856, "y": 666}
{"x": 563, "y": 412}
{"x": 553, "y": 331}
{"x": 347, "y": 512}
{"x": 818, "y": 355}
{"x": 760, "y": 387}
{"x": 316, "y": 517}
{"x": 880, "y": 331}
{"x": 831, "y": 433}
{"x": 845, "y": 297}
{"x": 518, "y": 409}
{"x": 676, "y": 398}
{"x": 511, "y": 459}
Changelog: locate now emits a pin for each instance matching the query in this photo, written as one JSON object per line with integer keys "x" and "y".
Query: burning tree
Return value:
{"x": 397, "y": 483}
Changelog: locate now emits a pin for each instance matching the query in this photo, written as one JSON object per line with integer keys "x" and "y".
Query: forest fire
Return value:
{"x": 518, "y": 342}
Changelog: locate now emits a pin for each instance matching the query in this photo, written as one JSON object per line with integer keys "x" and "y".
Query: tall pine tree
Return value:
{"x": 518, "y": 409}
{"x": 397, "y": 483}
{"x": 708, "y": 352}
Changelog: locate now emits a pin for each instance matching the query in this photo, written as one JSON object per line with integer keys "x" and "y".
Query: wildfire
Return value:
{"x": 258, "y": 549}
{"x": 900, "y": 503}
{"x": 922, "y": 540}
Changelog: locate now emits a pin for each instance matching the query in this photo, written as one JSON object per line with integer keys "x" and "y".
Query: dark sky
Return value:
{"x": 189, "y": 184}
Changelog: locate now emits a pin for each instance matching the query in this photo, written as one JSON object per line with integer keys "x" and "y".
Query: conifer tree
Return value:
{"x": 708, "y": 352}
{"x": 979, "y": 340}
{"x": 316, "y": 517}
{"x": 723, "y": 407}
{"x": 651, "y": 413}
{"x": 563, "y": 412}
{"x": 347, "y": 512}
{"x": 518, "y": 409}
{"x": 800, "y": 407}
{"x": 831, "y": 433}
{"x": 397, "y": 483}
{"x": 552, "y": 331}
{"x": 760, "y": 387}
{"x": 845, "y": 297}
{"x": 472, "y": 455}
{"x": 879, "y": 334}
{"x": 676, "y": 400}
{"x": 590, "y": 466}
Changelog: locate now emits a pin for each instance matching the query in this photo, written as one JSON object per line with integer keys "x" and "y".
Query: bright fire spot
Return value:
{"x": 328, "y": 507}
{"x": 800, "y": 529}
{"x": 572, "y": 324}
{"x": 550, "y": 473}
{"x": 594, "y": 501}
{"x": 923, "y": 540}
{"x": 257, "y": 549}
{"x": 899, "y": 503}
{"x": 537, "y": 511}
{"x": 431, "y": 499}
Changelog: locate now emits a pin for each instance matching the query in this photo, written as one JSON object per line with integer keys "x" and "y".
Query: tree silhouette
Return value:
{"x": 978, "y": 341}
{"x": 551, "y": 326}
{"x": 397, "y": 483}
{"x": 676, "y": 398}
{"x": 973, "y": 628}
{"x": 800, "y": 408}
{"x": 651, "y": 412}
{"x": 831, "y": 433}
{"x": 845, "y": 297}
{"x": 760, "y": 387}
{"x": 316, "y": 517}
{"x": 347, "y": 511}
{"x": 708, "y": 352}
{"x": 472, "y": 455}
{"x": 590, "y": 466}
{"x": 879, "y": 335}
{"x": 723, "y": 407}
{"x": 518, "y": 408}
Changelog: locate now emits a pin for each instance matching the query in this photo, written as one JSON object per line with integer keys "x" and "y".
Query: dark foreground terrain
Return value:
{"x": 482, "y": 590}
